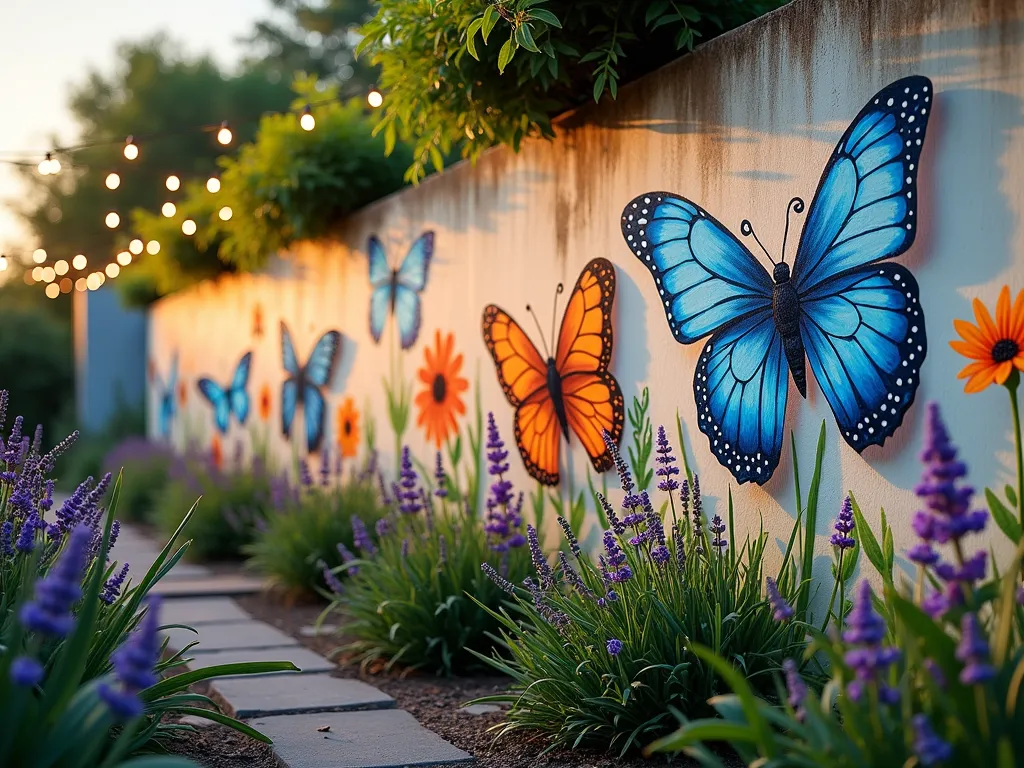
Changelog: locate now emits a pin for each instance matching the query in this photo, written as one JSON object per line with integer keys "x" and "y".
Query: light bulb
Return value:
{"x": 131, "y": 149}
{"x": 113, "y": 270}
{"x": 37, "y": 274}
{"x": 66, "y": 285}
{"x": 124, "y": 258}
{"x": 38, "y": 255}
{"x": 80, "y": 284}
{"x": 113, "y": 181}
{"x": 79, "y": 262}
{"x": 135, "y": 246}
{"x": 224, "y": 134}
{"x": 307, "y": 122}
{"x": 52, "y": 291}
{"x": 213, "y": 185}
{"x": 225, "y": 213}
{"x": 44, "y": 167}
{"x": 93, "y": 281}
{"x": 153, "y": 247}
{"x": 61, "y": 267}
{"x": 168, "y": 209}
{"x": 173, "y": 183}
{"x": 48, "y": 275}
{"x": 3, "y": 263}
{"x": 101, "y": 277}
{"x": 54, "y": 166}
{"x": 374, "y": 98}
{"x": 112, "y": 220}
{"x": 188, "y": 227}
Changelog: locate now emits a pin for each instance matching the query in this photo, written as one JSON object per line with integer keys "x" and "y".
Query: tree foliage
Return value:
{"x": 462, "y": 75}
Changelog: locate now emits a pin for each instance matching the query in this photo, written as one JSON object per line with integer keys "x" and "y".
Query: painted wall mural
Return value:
{"x": 302, "y": 387}
{"x": 858, "y": 325}
{"x": 396, "y": 291}
{"x": 232, "y": 399}
{"x": 166, "y": 392}
{"x": 568, "y": 387}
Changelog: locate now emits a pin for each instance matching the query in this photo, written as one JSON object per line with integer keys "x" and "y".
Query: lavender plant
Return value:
{"x": 929, "y": 675}
{"x": 600, "y": 652}
{"x": 146, "y": 466}
{"x": 407, "y": 602}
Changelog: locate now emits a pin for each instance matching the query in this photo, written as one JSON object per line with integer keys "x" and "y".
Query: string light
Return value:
{"x": 124, "y": 258}
{"x": 38, "y": 255}
{"x": 49, "y": 166}
{"x": 61, "y": 267}
{"x": 307, "y": 122}
{"x": 374, "y": 98}
{"x": 112, "y": 220}
{"x": 79, "y": 262}
{"x": 135, "y": 246}
{"x": 52, "y": 291}
{"x": 66, "y": 285}
{"x": 173, "y": 183}
{"x": 131, "y": 149}
{"x": 3, "y": 263}
{"x": 48, "y": 275}
{"x": 80, "y": 284}
{"x": 168, "y": 209}
{"x": 213, "y": 185}
{"x": 37, "y": 275}
{"x": 92, "y": 282}
{"x": 152, "y": 247}
{"x": 225, "y": 213}
{"x": 113, "y": 270}
{"x": 224, "y": 134}
{"x": 113, "y": 181}
{"x": 188, "y": 227}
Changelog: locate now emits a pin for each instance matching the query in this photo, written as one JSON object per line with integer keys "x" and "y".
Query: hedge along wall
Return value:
{"x": 740, "y": 127}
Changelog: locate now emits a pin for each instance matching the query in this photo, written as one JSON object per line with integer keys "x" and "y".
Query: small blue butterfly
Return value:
{"x": 165, "y": 398}
{"x": 398, "y": 290}
{"x": 303, "y": 384}
{"x": 233, "y": 399}
{"x": 857, "y": 323}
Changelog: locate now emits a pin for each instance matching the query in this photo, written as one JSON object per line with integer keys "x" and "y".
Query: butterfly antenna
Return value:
{"x": 796, "y": 205}
{"x": 554, "y": 310}
{"x": 540, "y": 330}
{"x": 747, "y": 229}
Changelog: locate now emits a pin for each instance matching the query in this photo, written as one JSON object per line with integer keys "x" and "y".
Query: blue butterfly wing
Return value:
{"x": 380, "y": 272}
{"x": 313, "y": 403}
{"x": 289, "y": 402}
{"x": 416, "y": 265}
{"x": 289, "y": 359}
{"x": 865, "y": 207}
{"x": 322, "y": 360}
{"x": 407, "y": 315}
{"x": 865, "y": 341}
{"x": 166, "y": 413}
{"x": 705, "y": 277}
{"x": 380, "y": 283}
{"x": 740, "y": 387}
{"x": 239, "y": 395}
{"x": 218, "y": 398}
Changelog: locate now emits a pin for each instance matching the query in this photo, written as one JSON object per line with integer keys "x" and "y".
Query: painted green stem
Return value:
{"x": 1012, "y": 384}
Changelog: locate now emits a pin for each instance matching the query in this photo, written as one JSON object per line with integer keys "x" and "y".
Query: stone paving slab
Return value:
{"x": 223, "y": 637}
{"x": 296, "y": 694}
{"x": 386, "y": 738}
{"x": 202, "y": 610}
{"x": 303, "y": 658}
{"x": 210, "y": 586}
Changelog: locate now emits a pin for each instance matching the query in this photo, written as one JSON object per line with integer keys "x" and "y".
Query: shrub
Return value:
{"x": 303, "y": 535}
{"x": 464, "y": 75}
{"x": 87, "y": 460}
{"x": 144, "y": 467}
{"x": 602, "y": 654}
{"x": 408, "y": 600}
{"x": 932, "y": 678}
{"x": 79, "y": 676}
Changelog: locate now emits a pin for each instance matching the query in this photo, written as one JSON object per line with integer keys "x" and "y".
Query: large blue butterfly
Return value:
{"x": 398, "y": 290}
{"x": 165, "y": 397}
{"x": 858, "y": 322}
{"x": 303, "y": 384}
{"x": 234, "y": 399}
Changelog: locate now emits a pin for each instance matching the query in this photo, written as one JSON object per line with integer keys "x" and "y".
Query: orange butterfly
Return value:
{"x": 573, "y": 388}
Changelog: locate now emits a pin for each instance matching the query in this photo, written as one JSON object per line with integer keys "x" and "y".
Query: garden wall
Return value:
{"x": 740, "y": 127}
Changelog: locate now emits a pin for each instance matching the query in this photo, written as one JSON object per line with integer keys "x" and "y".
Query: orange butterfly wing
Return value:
{"x": 522, "y": 373}
{"x": 592, "y": 397}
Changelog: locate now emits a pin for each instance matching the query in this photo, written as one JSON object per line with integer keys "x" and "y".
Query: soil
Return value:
{"x": 436, "y": 701}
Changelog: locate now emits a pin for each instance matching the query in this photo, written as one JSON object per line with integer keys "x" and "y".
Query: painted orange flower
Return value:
{"x": 348, "y": 428}
{"x": 182, "y": 392}
{"x": 439, "y": 402}
{"x": 996, "y": 347}
{"x": 265, "y": 402}
{"x": 216, "y": 452}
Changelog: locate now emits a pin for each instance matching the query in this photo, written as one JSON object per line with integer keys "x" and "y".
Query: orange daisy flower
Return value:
{"x": 996, "y": 347}
{"x": 439, "y": 402}
{"x": 348, "y": 428}
{"x": 182, "y": 392}
{"x": 265, "y": 402}
{"x": 216, "y": 452}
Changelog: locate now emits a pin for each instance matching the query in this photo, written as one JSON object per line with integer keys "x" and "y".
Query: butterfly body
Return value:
{"x": 837, "y": 309}
{"x": 555, "y": 392}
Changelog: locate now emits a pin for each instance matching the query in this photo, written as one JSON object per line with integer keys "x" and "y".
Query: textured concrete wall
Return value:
{"x": 740, "y": 126}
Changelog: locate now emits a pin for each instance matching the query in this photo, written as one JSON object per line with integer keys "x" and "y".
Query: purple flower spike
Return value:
{"x": 844, "y": 526}
{"x": 502, "y": 583}
{"x": 361, "y": 537}
{"x": 504, "y": 520}
{"x": 540, "y": 563}
{"x": 865, "y": 631}
{"x": 26, "y": 672}
{"x": 305, "y": 477}
{"x": 973, "y": 652}
{"x": 112, "y": 589}
{"x": 440, "y": 478}
{"x": 667, "y": 469}
{"x": 614, "y": 647}
{"x": 929, "y": 748}
{"x": 347, "y": 557}
{"x": 55, "y": 594}
{"x": 133, "y": 666}
{"x": 783, "y": 611}
{"x": 330, "y": 578}
{"x": 409, "y": 496}
{"x": 718, "y": 528}
{"x": 795, "y": 687}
